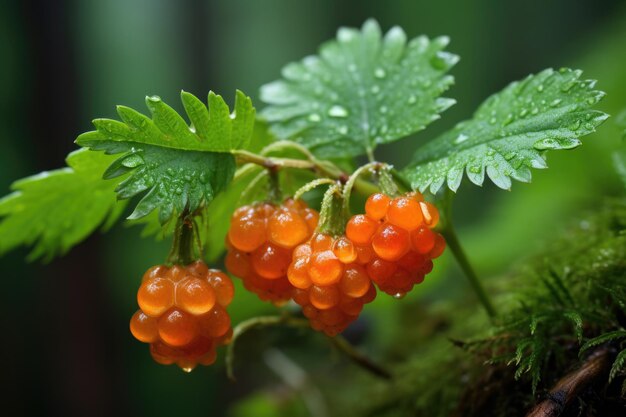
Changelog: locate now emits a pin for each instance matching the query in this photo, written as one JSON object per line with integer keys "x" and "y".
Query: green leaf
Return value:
{"x": 362, "y": 90}
{"x": 171, "y": 180}
{"x": 603, "y": 338}
{"x": 618, "y": 365}
{"x": 55, "y": 210}
{"x": 178, "y": 167}
{"x": 212, "y": 129}
{"x": 510, "y": 132}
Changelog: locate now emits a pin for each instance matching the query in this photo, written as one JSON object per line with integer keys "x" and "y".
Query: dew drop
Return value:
{"x": 555, "y": 102}
{"x": 523, "y": 113}
{"x": 337, "y": 111}
{"x": 383, "y": 109}
{"x": 375, "y": 89}
{"x": 492, "y": 121}
{"x": 540, "y": 88}
{"x": 412, "y": 99}
{"x": 352, "y": 68}
{"x": 575, "y": 125}
{"x": 380, "y": 73}
{"x": 508, "y": 120}
{"x": 399, "y": 295}
{"x": 314, "y": 117}
{"x": 461, "y": 138}
{"x": 343, "y": 130}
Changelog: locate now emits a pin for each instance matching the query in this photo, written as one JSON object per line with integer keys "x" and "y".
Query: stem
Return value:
{"x": 342, "y": 344}
{"x": 182, "y": 252}
{"x": 252, "y": 323}
{"x": 359, "y": 358}
{"x": 453, "y": 243}
{"x": 448, "y": 232}
{"x": 399, "y": 178}
{"x": 322, "y": 168}
{"x": 333, "y": 214}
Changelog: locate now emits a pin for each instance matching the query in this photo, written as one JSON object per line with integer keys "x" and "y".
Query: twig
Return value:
{"x": 571, "y": 385}
{"x": 360, "y": 358}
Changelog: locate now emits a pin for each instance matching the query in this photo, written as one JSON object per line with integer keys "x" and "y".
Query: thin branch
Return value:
{"x": 570, "y": 386}
{"x": 360, "y": 358}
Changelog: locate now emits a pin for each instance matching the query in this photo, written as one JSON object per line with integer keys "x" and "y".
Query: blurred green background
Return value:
{"x": 66, "y": 346}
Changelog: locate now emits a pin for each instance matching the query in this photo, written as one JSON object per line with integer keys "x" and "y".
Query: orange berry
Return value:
{"x": 324, "y": 268}
{"x": 144, "y": 327}
{"x": 287, "y": 228}
{"x": 302, "y": 251}
{"x": 215, "y": 323}
{"x": 324, "y": 297}
{"x": 297, "y": 273}
{"x": 360, "y": 229}
{"x": 355, "y": 281}
{"x": 238, "y": 263}
{"x": 311, "y": 217}
{"x": 222, "y": 285}
{"x": 177, "y": 328}
{"x": 198, "y": 268}
{"x": 438, "y": 248}
{"x": 391, "y": 242}
{"x": 310, "y": 312}
{"x": 369, "y": 296}
{"x": 177, "y": 273}
{"x": 364, "y": 254}
{"x": 155, "y": 296}
{"x": 247, "y": 233}
{"x": 412, "y": 261}
{"x": 301, "y": 297}
{"x": 422, "y": 239}
{"x": 376, "y": 206}
{"x": 344, "y": 250}
{"x": 195, "y": 296}
{"x": 157, "y": 271}
{"x": 430, "y": 212}
{"x": 321, "y": 242}
{"x": 163, "y": 354}
{"x": 405, "y": 212}
{"x": 330, "y": 317}
{"x": 380, "y": 270}
{"x": 270, "y": 261}
{"x": 351, "y": 306}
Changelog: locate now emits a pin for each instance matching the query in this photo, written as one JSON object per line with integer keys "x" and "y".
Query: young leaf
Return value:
{"x": 55, "y": 210}
{"x": 213, "y": 128}
{"x": 362, "y": 90}
{"x": 510, "y": 131}
{"x": 177, "y": 166}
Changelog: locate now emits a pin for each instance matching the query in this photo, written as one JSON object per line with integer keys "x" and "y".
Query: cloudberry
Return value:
{"x": 330, "y": 284}
{"x": 395, "y": 241}
{"x": 260, "y": 244}
{"x": 183, "y": 313}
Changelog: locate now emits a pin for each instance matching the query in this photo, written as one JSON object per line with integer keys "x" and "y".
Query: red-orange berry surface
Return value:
{"x": 260, "y": 243}
{"x": 182, "y": 313}
{"x": 395, "y": 242}
{"x": 331, "y": 284}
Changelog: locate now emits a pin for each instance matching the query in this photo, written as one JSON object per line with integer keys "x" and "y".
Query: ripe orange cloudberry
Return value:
{"x": 395, "y": 240}
{"x": 260, "y": 243}
{"x": 331, "y": 284}
{"x": 182, "y": 313}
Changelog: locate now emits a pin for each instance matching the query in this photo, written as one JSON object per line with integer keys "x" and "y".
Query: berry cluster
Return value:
{"x": 260, "y": 241}
{"x": 395, "y": 239}
{"x": 331, "y": 282}
{"x": 183, "y": 313}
